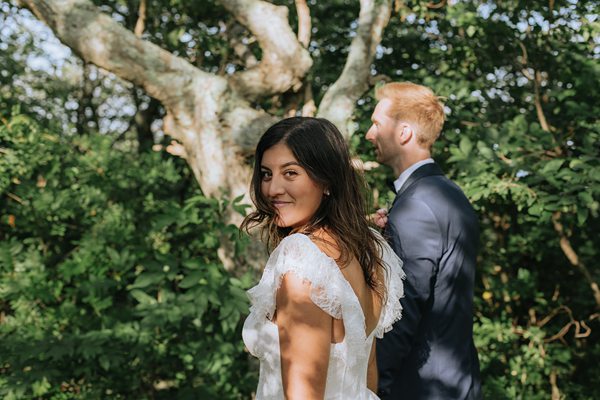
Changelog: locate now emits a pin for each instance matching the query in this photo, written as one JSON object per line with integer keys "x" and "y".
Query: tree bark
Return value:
{"x": 304, "y": 23}
{"x": 284, "y": 62}
{"x": 339, "y": 101}
{"x": 216, "y": 126}
{"x": 141, "y": 21}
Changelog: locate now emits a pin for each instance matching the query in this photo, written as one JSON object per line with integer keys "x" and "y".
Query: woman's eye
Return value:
{"x": 290, "y": 173}
{"x": 265, "y": 175}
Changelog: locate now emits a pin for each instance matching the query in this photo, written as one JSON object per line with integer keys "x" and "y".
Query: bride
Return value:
{"x": 331, "y": 283}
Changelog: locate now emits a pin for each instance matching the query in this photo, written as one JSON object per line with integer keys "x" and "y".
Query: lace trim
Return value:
{"x": 330, "y": 290}
{"x": 392, "y": 311}
{"x": 296, "y": 253}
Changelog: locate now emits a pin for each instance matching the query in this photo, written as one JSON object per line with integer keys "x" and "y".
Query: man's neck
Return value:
{"x": 407, "y": 160}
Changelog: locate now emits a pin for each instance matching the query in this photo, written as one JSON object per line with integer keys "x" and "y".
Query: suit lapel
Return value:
{"x": 430, "y": 169}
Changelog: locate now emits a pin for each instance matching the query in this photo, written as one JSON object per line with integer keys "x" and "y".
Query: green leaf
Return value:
{"x": 41, "y": 387}
{"x": 191, "y": 280}
{"x": 104, "y": 362}
{"x": 484, "y": 150}
{"x": 536, "y": 209}
{"x": 238, "y": 198}
{"x": 585, "y": 197}
{"x": 465, "y": 145}
{"x": 192, "y": 264}
{"x": 582, "y": 215}
{"x": 146, "y": 279}
{"x": 552, "y": 166}
{"x": 576, "y": 164}
{"x": 142, "y": 297}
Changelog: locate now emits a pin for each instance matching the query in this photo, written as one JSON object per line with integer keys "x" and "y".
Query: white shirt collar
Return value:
{"x": 408, "y": 172}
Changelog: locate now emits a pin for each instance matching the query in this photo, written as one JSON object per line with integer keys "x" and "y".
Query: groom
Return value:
{"x": 429, "y": 354}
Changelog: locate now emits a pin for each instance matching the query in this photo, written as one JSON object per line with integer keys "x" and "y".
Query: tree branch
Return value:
{"x": 304, "y": 32}
{"x": 565, "y": 243}
{"x": 339, "y": 101}
{"x": 140, "y": 24}
{"x": 536, "y": 78}
{"x": 554, "y": 385}
{"x": 213, "y": 122}
{"x": 304, "y": 23}
{"x": 571, "y": 255}
{"x": 537, "y": 81}
{"x": 433, "y": 5}
{"x": 235, "y": 34}
{"x": 309, "y": 108}
{"x": 196, "y": 102}
{"x": 284, "y": 61}
{"x": 96, "y": 38}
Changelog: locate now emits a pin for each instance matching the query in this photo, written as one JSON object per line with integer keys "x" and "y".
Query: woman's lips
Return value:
{"x": 279, "y": 204}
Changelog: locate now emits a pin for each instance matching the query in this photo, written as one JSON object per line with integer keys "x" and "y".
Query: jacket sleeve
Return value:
{"x": 416, "y": 236}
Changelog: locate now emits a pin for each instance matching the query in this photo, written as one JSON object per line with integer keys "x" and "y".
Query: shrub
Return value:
{"x": 110, "y": 284}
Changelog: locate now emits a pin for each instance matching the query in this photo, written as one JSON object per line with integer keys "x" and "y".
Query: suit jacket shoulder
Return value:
{"x": 429, "y": 184}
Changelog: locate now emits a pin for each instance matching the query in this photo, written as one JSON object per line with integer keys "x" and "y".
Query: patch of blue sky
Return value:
{"x": 50, "y": 55}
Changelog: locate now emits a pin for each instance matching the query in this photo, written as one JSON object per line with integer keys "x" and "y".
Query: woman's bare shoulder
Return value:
{"x": 326, "y": 242}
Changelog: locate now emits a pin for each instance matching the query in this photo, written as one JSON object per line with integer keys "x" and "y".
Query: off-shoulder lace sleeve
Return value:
{"x": 392, "y": 310}
{"x": 299, "y": 255}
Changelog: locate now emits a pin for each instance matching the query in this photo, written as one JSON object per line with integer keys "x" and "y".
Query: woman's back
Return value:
{"x": 352, "y": 271}
{"x": 345, "y": 298}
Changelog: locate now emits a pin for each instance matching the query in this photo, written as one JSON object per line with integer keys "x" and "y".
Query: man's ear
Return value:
{"x": 406, "y": 133}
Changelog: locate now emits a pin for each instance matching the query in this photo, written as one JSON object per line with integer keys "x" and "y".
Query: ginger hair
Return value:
{"x": 418, "y": 106}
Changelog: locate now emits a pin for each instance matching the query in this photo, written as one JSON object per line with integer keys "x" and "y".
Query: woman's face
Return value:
{"x": 289, "y": 188}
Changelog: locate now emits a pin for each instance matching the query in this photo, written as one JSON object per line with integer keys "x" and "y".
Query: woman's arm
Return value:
{"x": 304, "y": 340}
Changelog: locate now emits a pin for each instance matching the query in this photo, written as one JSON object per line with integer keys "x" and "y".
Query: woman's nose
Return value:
{"x": 275, "y": 187}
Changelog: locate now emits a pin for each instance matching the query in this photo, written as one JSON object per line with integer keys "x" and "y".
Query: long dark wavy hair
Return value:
{"x": 321, "y": 150}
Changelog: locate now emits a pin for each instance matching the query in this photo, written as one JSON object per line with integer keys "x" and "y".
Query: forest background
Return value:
{"x": 124, "y": 158}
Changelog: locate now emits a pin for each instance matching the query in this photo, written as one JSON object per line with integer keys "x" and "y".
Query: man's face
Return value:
{"x": 382, "y": 134}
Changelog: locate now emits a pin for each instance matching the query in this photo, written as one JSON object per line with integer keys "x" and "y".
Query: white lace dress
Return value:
{"x": 347, "y": 372}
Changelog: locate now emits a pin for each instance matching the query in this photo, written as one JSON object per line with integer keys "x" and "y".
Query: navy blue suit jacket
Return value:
{"x": 429, "y": 354}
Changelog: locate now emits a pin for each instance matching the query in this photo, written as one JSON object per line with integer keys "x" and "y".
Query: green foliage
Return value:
{"x": 110, "y": 285}
{"x": 534, "y": 180}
